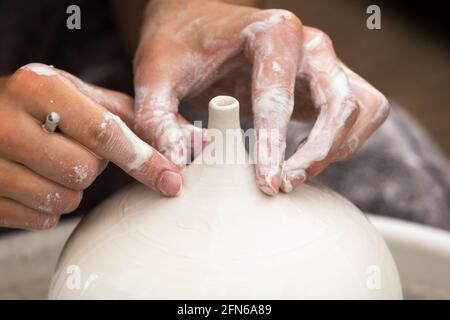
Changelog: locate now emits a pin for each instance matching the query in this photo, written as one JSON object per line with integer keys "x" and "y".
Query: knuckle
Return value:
{"x": 382, "y": 109}
{"x": 28, "y": 77}
{"x": 44, "y": 221}
{"x": 19, "y": 77}
{"x": 323, "y": 37}
{"x": 58, "y": 202}
{"x": 17, "y": 83}
{"x": 9, "y": 139}
{"x": 3, "y": 222}
{"x": 284, "y": 15}
{"x": 7, "y": 179}
{"x": 279, "y": 18}
{"x": 379, "y": 106}
{"x": 83, "y": 174}
{"x": 71, "y": 201}
{"x": 101, "y": 135}
{"x": 48, "y": 202}
{"x": 326, "y": 38}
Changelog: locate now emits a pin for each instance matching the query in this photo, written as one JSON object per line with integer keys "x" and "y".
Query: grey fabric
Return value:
{"x": 399, "y": 172}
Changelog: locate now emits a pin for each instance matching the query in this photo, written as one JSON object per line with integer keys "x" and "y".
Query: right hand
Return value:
{"x": 42, "y": 174}
{"x": 278, "y": 69}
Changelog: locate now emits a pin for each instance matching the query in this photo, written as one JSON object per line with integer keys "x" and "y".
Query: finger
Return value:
{"x": 54, "y": 156}
{"x": 156, "y": 105}
{"x": 26, "y": 187}
{"x": 373, "y": 110}
{"x": 100, "y": 131}
{"x": 16, "y": 215}
{"x": 116, "y": 102}
{"x": 274, "y": 53}
{"x": 335, "y": 118}
{"x": 194, "y": 136}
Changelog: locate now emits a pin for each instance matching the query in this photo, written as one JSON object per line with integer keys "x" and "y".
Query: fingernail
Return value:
{"x": 170, "y": 183}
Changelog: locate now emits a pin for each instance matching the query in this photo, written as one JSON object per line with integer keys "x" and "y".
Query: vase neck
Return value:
{"x": 224, "y": 135}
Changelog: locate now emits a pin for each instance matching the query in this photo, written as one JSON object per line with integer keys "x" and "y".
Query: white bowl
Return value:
{"x": 422, "y": 255}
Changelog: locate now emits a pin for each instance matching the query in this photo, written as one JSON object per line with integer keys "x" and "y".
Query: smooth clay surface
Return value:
{"x": 222, "y": 238}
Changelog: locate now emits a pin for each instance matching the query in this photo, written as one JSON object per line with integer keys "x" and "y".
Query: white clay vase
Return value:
{"x": 222, "y": 238}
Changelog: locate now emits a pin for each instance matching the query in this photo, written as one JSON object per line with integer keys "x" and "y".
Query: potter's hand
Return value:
{"x": 192, "y": 47}
{"x": 42, "y": 174}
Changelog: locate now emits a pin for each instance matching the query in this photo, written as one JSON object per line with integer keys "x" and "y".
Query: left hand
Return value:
{"x": 195, "y": 50}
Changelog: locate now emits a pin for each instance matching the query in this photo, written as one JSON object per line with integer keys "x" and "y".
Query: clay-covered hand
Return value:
{"x": 42, "y": 174}
{"x": 277, "y": 68}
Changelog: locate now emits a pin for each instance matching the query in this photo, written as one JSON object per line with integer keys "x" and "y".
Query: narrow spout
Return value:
{"x": 224, "y": 133}
{"x": 223, "y": 113}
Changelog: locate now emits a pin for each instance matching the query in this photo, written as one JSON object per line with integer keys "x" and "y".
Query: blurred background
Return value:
{"x": 402, "y": 172}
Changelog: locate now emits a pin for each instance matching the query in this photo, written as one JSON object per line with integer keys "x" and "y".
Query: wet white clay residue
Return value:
{"x": 189, "y": 29}
{"x": 80, "y": 172}
{"x": 276, "y": 67}
{"x": 298, "y": 174}
{"x": 158, "y": 99}
{"x": 172, "y": 142}
{"x": 40, "y": 69}
{"x": 270, "y": 156}
{"x": 317, "y": 40}
{"x": 382, "y": 102}
{"x": 316, "y": 148}
{"x": 275, "y": 103}
{"x": 341, "y": 114}
{"x": 141, "y": 96}
{"x": 49, "y": 202}
{"x": 319, "y": 98}
{"x": 155, "y": 109}
{"x": 277, "y": 16}
{"x": 142, "y": 152}
{"x": 96, "y": 94}
{"x": 337, "y": 104}
{"x": 274, "y": 107}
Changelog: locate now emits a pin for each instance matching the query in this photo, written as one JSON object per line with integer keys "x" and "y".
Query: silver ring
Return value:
{"x": 51, "y": 122}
